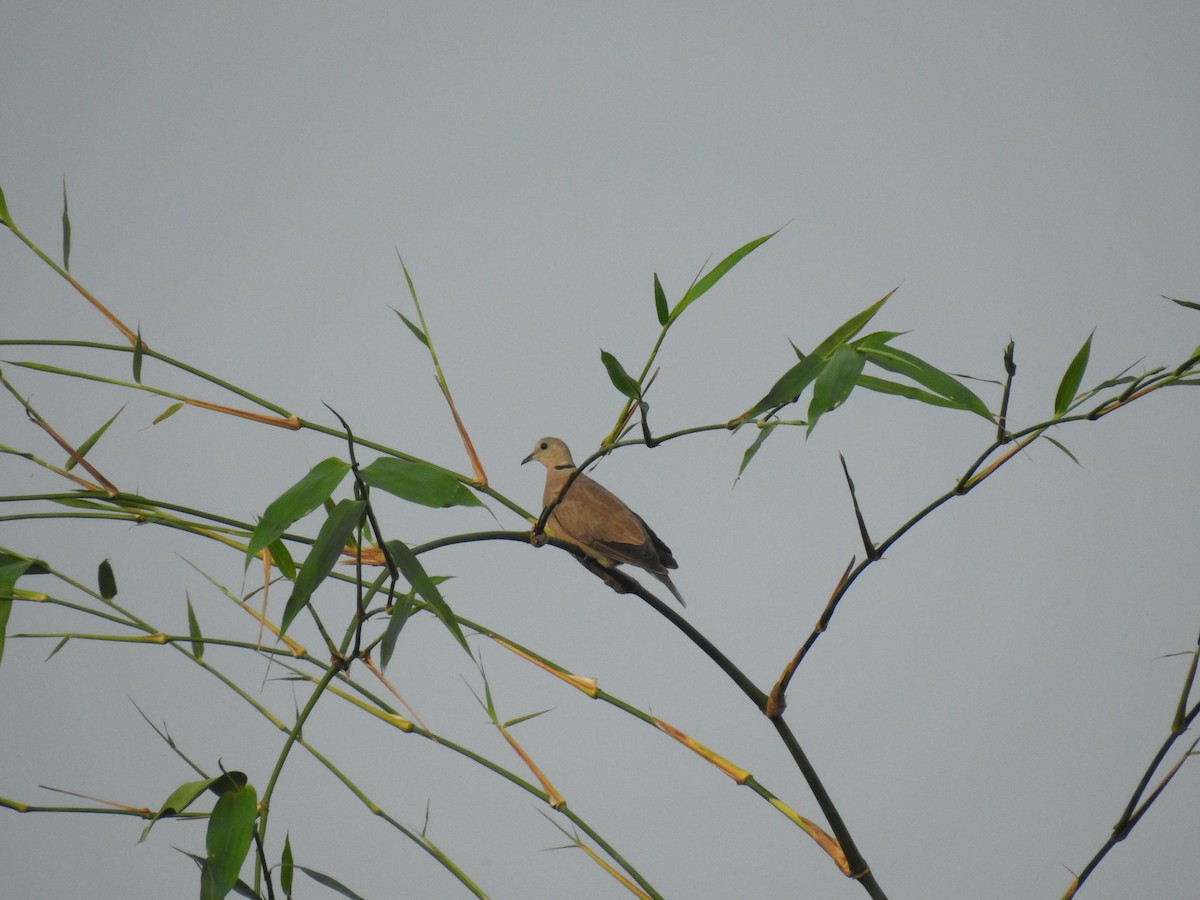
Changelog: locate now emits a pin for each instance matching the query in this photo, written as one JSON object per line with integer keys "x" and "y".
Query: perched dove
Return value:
{"x": 595, "y": 520}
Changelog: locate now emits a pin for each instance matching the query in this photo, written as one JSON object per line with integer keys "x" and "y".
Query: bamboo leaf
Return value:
{"x": 66, "y": 223}
{"x": 418, "y": 482}
{"x": 401, "y": 611}
{"x": 763, "y": 433}
{"x": 5, "y": 218}
{"x": 525, "y": 718}
{"x": 194, "y": 630}
{"x": 883, "y": 386}
{"x": 415, "y": 574}
{"x": 1064, "y": 449}
{"x": 297, "y": 502}
{"x": 230, "y": 829}
{"x": 326, "y": 550}
{"x": 1188, "y": 303}
{"x": 903, "y": 363}
{"x": 833, "y": 386}
{"x": 852, "y": 326}
{"x": 660, "y": 302}
{"x": 139, "y": 352}
{"x": 170, "y": 411}
{"x": 108, "y": 581}
{"x": 1072, "y": 378}
{"x": 286, "y": 873}
{"x": 412, "y": 326}
{"x": 793, "y": 382}
{"x": 332, "y": 883}
{"x": 618, "y": 376}
{"x": 9, "y": 573}
{"x": 705, "y": 283}
{"x": 87, "y": 445}
{"x": 282, "y": 559}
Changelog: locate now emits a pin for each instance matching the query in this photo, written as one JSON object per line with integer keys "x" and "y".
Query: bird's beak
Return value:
{"x": 528, "y": 458}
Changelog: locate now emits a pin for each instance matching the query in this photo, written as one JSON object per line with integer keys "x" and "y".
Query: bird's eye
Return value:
{"x": 544, "y": 446}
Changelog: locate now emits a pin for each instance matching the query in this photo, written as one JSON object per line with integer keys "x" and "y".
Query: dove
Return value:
{"x": 595, "y": 520}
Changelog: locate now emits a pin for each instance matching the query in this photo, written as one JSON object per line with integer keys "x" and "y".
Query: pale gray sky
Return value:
{"x": 240, "y": 178}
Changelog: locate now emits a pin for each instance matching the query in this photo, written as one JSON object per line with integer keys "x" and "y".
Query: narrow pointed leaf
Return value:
{"x": 525, "y": 718}
{"x": 763, "y": 434}
{"x": 5, "y": 218}
{"x": 181, "y": 798}
{"x": 107, "y": 580}
{"x": 66, "y": 222}
{"x": 660, "y": 302}
{"x": 789, "y": 387}
{"x": 703, "y": 284}
{"x": 903, "y": 363}
{"x": 9, "y": 573}
{"x": 401, "y": 610}
{"x": 418, "y": 482}
{"x": 230, "y": 829}
{"x": 834, "y": 384}
{"x": 194, "y": 631}
{"x": 87, "y": 445}
{"x": 1188, "y": 303}
{"x": 297, "y": 502}
{"x": 139, "y": 352}
{"x": 793, "y": 382}
{"x": 332, "y": 883}
{"x": 1072, "y": 378}
{"x": 1064, "y": 449}
{"x": 415, "y": 574}
{"x": 326, "y": 550}
{"x": 883, "y": 386}
{"x": 282, "y": 558}
{"x": 620, "y": 378}
{"x": 170, "y": 411}
{"x": 286, "y": 873}
{"x": 412, "y": 326}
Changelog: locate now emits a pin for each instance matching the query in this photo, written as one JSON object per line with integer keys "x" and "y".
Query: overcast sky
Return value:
{"x": 240, "y": 180}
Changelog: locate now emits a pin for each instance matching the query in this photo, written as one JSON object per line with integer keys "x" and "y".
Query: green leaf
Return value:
{"x": 297, "y": 502}
{"x": 415, "y": 574}
{"x": 1072, "y": 378}
{"x": 703, "y": 284}
{"x": 763, "y": 433}
{"x": 230, "y": 829}
{"x": 852, "y": 326}
{"x": 1063, "y": 448}
{"x": 286, "y": 873}
{"x": 82, "y": 449}
{"x": 788, "y": 388}
{"x": 903, "y": 363}
{"x": 883, "y": 386}
{"x": 660, "y": 302}
{"x": 181, "y": 798}
{"x": 5, "y": 218}
{"x": 282, "y": 558}
{"x": 108, "y": 581}
{"x": 1188, "y": 303}
{"x": 194, "y": 630}
{"x": 418, "y": 482}
{"x": 793, "y": 382}
{"x": 833, "y": 386}
{"x": 620, "y": 378}
{"x": 421, "y": 336}
{"x": 331, "y": 883}
{"x": 170, "y": 411}
{"x": 9, "y": 573}
{"x": 401, "y": 610}
{"x": 139, "y": 351}
{"x": 66, "y": 220}
{"x": 331, "y": 539}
